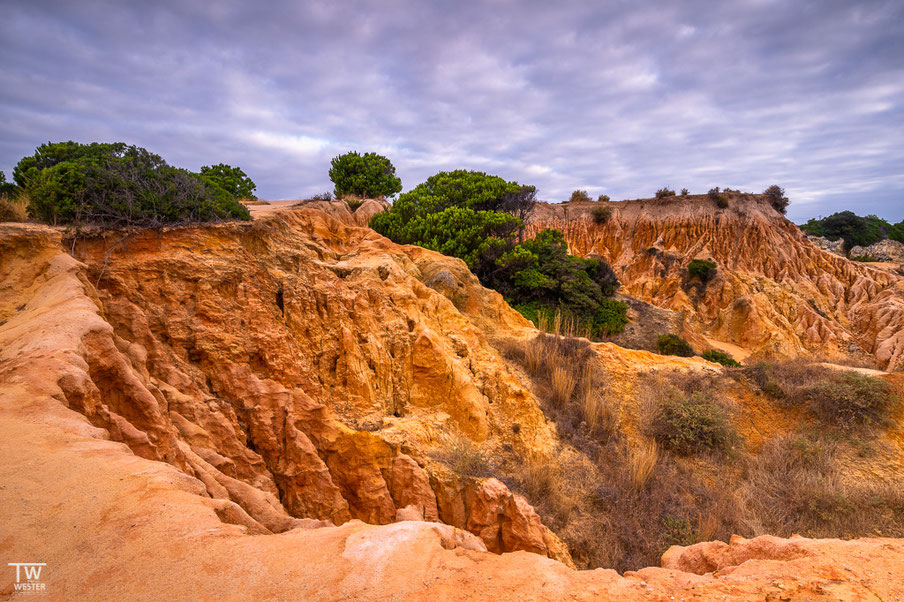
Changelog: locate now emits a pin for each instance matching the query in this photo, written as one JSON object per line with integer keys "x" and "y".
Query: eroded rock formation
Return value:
{"x": 294, "y": 366}
{"x": 775, "y": 293}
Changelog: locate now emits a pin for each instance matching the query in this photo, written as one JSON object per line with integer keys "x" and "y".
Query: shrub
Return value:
{"x": 643, "y": 463}
{"x": 601, "y": 215}
{"x": 720, "y": 199}
{"x": 853, "y": 229}
{"x": 464, "y": 458}
{"x": 611, "y": 317}
{"x": 664, "y": 192}
{"x": 353, "y": 204}
{"x": 603, "y": 198}
{"x": 702, "y": 269}
{"x": 118, "y": 185}
{"x": 776, "y": 196}
{"x": 852, "y": 399}
{"x": 686, "y": 425}
{"x": 672, "y": 344}
{"x": 714, "y": 355}
{"x": 839, "y": 398}
{"x": 864, "y": 259}
{"x": 368, "y": 175}
{"x": 579, "y": 196}
{"x": 323, "y": 196}
{"x": 231, "y": 179}
{"x": 684, "y": 192}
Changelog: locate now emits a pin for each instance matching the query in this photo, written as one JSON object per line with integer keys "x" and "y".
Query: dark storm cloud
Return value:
{"x": 620, "y": 97}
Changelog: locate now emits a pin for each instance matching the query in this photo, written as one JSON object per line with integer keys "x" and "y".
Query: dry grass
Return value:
{"x": 12, "y": 210}
{"x": 643, "y": 463}
{"x": 621, "y": 506}
{"x": 464, "y": 458}
{"x": 563, "y": 382}
{"x": 796, "y": 486}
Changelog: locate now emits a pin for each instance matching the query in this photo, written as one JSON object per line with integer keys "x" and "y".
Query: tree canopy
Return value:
{"x": 854, "y": 229}
{"x": 115, "y": 184}
{"x": 368, "y": 175}
{"x": 231, "y": 179}
{"x": 477, "y": 217}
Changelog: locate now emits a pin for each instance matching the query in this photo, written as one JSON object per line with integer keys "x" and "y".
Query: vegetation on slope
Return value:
{"x": 690, "y": 473}
{"x": 479, "y": 218}
{"x": 118, "y": 185}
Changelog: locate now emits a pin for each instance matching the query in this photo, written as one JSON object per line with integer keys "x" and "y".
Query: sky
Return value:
{"x": 618, "y": 97}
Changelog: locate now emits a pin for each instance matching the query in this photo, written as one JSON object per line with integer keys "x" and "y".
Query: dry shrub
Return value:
{"x": 463, "y": 457}
{"x": 795, "y": 486}
{"x": 12, "y": 210}
{"x": 845, "y": 399}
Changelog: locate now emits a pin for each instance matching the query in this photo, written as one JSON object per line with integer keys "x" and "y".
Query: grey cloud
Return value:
{"x": 619, "y": 97}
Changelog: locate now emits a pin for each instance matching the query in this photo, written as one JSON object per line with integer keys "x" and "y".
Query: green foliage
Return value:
{"x": 664, "y": 192}
{"x": 611, "y": 317}
{"x": 601, "y": 214}
{"x": 853, "y": 229}
{"x": 353, "y": 204}
{"x": 117, "y": 185}
{"x": 231, "y": 179}
{"x": 7, "y": 188}
{"x": 603, "y": 198}
{"x": 714, "y": 355}
{"x": 776, "y": 196}
{"x": 367, "y": 175}
{"x": 684, "y": 192}
{"x": 672, "y": 344}
{"x": 720, "y": 199}
{"x": 579, "y": 196}
{"x": 702, "y": 269}
{"x": 864, "y": 259}
{"x": 686, "y": 425}
{"x": 475, "y": 217}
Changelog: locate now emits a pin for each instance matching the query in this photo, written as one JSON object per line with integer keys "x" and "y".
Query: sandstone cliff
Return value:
{"x": 296, "y": 367}
{"x": 775, "y": 293}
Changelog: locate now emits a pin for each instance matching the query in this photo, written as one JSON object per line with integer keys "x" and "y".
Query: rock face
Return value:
{"x": 296, "y": 367}
{"x": 885, "y": 250}
{"x": 222, "y": 409}
{"x": 775, "y": 293}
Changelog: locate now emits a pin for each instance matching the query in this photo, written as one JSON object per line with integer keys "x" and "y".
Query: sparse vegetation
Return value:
{"x": 685, "y": 192}
{"x": 323, "y": 196}
{"x": 691, "y": 424}
{"x": 664, "y": 193}
{"x": 702, "y": 269}
{"x": 463, "y": 457}
{"x": 839, "y": 398}
{"x": 719, "y": 357}
{"x": 118, "y": 185}
{"x": 795, "y": 486}
{"x": 603, "y": 198}
{"x": 601, "y": 215}
{"x": 672, "y": 344}
{"x": 579, "y": 196}
{"x": 353, "y": 204}
{"x": 366, "y": 176}
{"x": 720, "y": 199}
{"x": 776, "y": 196}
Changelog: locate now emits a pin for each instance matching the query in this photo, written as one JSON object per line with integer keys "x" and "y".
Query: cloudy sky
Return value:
{"x": 618, "y": 97}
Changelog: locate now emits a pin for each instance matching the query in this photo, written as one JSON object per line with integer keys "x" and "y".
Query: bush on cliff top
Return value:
{"x": 368, "y": 175}
{"x": 479, "y": 218}
{"x": 118, "y": 185}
